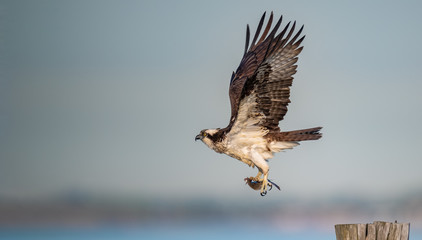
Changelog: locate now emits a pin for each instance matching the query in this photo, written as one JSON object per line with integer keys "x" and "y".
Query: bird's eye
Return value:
{"x": 204, "y": 134}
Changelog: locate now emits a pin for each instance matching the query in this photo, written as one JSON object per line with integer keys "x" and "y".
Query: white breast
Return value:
{"x": 246, "y": 132}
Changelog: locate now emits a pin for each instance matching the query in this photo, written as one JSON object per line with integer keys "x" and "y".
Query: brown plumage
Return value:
{"x": 259, "y": 95}
{"x": 295, "y": 136}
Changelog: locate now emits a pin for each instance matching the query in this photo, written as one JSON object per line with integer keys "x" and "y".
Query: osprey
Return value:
{"x": 259, "y": 94}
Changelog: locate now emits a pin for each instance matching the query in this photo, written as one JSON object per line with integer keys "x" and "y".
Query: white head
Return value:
{"x": 207, "y": 136}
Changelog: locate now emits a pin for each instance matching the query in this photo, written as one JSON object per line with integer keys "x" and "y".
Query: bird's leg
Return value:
{"x": 263, "y": 167}
{"x": 265, "y": 184}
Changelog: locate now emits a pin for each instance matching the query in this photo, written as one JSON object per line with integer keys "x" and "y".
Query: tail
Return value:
{"x": 298, "y": 135}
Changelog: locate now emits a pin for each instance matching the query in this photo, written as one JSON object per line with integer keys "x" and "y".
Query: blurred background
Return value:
{"x": 100, "y": 102}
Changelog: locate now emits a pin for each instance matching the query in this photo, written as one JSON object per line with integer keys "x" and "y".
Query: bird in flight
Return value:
{"x": 259, "y": 94}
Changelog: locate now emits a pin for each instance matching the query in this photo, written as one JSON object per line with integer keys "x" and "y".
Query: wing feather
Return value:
{"x": 266, "y": 71}
{"x": 258, "y": 30}
{"x": 267, "y": 29}
{"x": 273, "y": 81}
{"x": 247, "y": 39}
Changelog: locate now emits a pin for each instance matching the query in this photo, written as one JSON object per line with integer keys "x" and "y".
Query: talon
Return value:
{"x": 271, "y": 186}
{"x": 264, "y": 193}
{"x": 272, "y": 183}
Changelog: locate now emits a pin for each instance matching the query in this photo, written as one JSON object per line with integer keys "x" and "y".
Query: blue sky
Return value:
{"x": 106, "y": 97}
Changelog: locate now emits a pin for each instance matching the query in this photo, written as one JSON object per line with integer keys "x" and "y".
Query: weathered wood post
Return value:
{"x": 373, "y": 231}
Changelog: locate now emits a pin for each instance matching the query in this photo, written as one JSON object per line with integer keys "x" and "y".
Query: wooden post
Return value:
{"x": 373, "y": 231}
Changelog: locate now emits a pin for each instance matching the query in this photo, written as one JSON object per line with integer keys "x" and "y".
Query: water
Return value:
{"x": 164, "y": 232}
{"x": 155, "y": 233}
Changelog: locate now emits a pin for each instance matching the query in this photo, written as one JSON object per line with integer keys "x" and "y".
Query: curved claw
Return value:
{"x": 263, "y": 193}
{"x": 272, "y": 183}
{"x": 271, "y": 186}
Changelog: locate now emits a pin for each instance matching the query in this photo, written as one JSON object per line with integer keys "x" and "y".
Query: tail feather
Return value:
{"x": 297, "y": 135}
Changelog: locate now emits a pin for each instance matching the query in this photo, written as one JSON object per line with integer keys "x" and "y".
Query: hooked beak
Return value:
{"x": 198, "y": 137}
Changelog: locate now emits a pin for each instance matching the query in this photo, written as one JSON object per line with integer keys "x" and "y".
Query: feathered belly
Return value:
{"x": 242, "y": 149}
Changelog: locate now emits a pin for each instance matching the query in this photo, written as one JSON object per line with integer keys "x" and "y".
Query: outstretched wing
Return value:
{"x": 266, "y": 72}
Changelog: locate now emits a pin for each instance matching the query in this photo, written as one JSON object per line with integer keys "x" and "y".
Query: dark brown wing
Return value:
{"x": 267, "y": 70}
{"x": 252, "y": 59}
{"x": 275, "y": 76}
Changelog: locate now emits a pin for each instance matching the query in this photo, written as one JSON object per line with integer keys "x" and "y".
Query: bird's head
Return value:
{"x": 206, "y": 136}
